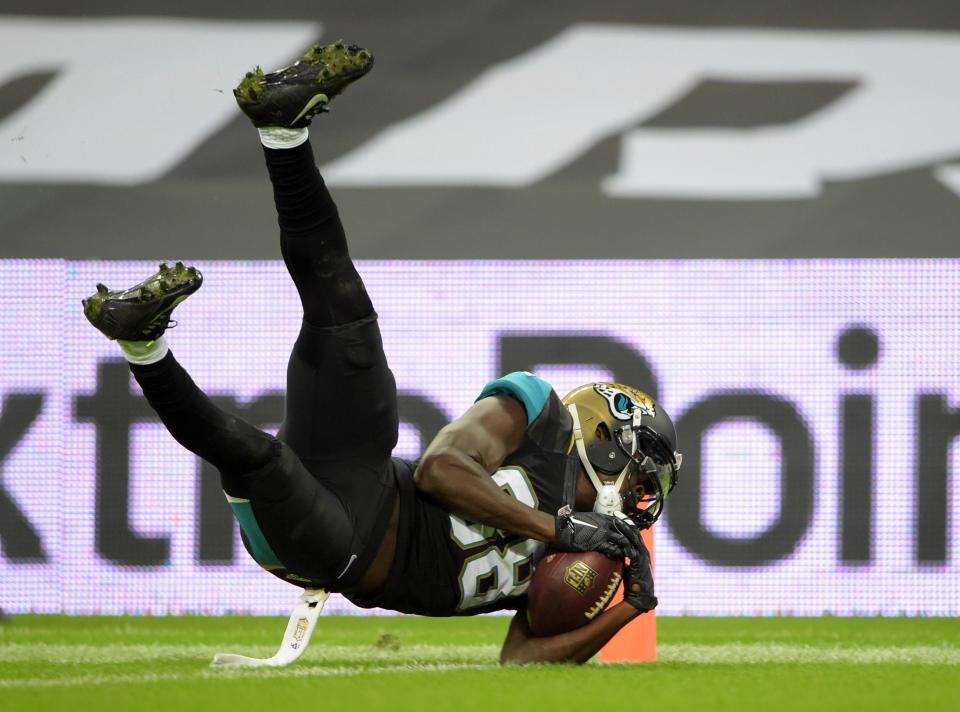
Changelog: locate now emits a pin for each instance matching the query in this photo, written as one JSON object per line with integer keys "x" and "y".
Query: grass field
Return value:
{"x": 777, "y": 664}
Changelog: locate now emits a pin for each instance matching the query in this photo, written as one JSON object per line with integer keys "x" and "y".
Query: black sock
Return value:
{"x": 227, "y": 442}
{"x": 312, "y": 240}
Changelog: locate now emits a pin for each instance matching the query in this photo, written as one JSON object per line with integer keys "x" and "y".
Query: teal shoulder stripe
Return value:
{"x": 531, "y": 391}
{"x": 262, "y": 553}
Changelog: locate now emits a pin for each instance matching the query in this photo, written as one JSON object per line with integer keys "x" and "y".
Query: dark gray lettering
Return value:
{"x": 523, "y": 352}
{"x": 684, "y": 513}
{"x": 113, "y": 409}
{"x": 937, "y": 428}
{"x": 20, "y": 540}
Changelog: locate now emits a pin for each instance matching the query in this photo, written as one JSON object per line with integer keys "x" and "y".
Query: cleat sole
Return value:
{"x": 292, "y": 96}
{"x": 142, "y": 312}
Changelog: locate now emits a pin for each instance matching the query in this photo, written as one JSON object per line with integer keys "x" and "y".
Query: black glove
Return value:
{"x": 615, "y": 536}
{"x": 638, "y": 581}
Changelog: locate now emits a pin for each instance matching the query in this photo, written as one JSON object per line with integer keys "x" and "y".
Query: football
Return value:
{"x": 570, "y": 589}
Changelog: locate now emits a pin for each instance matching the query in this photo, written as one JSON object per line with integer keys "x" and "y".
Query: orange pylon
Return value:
{"x": 636, "y": 642}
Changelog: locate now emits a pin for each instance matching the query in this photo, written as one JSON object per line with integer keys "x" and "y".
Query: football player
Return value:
{"x": 324, "y": 505}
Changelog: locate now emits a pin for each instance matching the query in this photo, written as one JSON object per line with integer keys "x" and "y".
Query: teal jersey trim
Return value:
{"x": 262, "y": 553}
{"x": 530, "y": 390}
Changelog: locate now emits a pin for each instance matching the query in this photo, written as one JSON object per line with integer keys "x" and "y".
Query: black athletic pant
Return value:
{"x": 322, "y": 492}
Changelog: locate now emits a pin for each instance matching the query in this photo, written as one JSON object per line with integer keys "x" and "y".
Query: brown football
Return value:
{"x": 569, "y": 590}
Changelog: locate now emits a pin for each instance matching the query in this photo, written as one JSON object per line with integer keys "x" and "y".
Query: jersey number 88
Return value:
{"x": 498, "y": 565}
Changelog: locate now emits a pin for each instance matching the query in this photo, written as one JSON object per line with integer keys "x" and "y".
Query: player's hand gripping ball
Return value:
{"x": 570, "y": 589}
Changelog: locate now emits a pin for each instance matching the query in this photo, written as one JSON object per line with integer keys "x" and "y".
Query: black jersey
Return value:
{"x": 445, "y": 565}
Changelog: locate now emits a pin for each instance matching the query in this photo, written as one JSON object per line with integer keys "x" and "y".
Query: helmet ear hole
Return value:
{"x": 603, "y": 433}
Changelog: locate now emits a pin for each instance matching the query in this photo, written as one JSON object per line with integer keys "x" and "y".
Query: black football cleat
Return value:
{"x": 292, "y": 96}
{"x": 142, "y": 313}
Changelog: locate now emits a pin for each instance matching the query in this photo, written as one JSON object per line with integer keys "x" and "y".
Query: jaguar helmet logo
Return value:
{"x": 622, "y": 400}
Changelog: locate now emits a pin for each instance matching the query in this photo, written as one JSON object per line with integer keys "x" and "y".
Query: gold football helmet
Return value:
{"x": 618, "y": 429}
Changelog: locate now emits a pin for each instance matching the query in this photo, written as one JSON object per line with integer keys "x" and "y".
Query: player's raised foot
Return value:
{"x": 142, "y": 312}
{"x": 292, "y": 96}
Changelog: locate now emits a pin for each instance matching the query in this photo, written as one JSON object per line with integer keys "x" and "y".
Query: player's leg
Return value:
{"x": 292, "y": 524}
{"x": 227, "y": 442}
{"x": 341, "y": 396}
{"x": 137, "y": 318}
{"x": 312, "y": 240}
{"x": 281, "y": 105}
{"x": 280, "y": 506}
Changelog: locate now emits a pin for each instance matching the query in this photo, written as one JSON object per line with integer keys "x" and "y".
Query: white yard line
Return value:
{"x": 782, "y": 653}
{"x": 84, "y": 680}
{"x": 303, "y": 671}
{"x": 121, "y": 653}
{"x": 342, "y": 660}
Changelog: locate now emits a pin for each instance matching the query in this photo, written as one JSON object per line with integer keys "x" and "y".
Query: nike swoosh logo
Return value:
{"x": 585, "y": 524}
{"x": 353, "y": 557}
{"x": 317, "y": 98}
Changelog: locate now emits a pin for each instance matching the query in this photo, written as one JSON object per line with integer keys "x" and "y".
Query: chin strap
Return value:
{"x": 296, "y": 638}
{"x": 609, "y": 499}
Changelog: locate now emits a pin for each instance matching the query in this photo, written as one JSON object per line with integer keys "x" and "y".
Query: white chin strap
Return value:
{"x": 295, "y": 639}
{"x": 609, "y": 500}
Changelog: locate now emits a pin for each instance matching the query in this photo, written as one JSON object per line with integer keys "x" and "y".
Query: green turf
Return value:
{"x": 779, "y": 664}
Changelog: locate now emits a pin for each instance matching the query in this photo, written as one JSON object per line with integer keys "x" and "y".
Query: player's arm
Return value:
{"x": 579, "y": 645}
{"x": 521, "y": 647}
{"x": 455, "y": 468}
{"x": 455, "y": 472}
